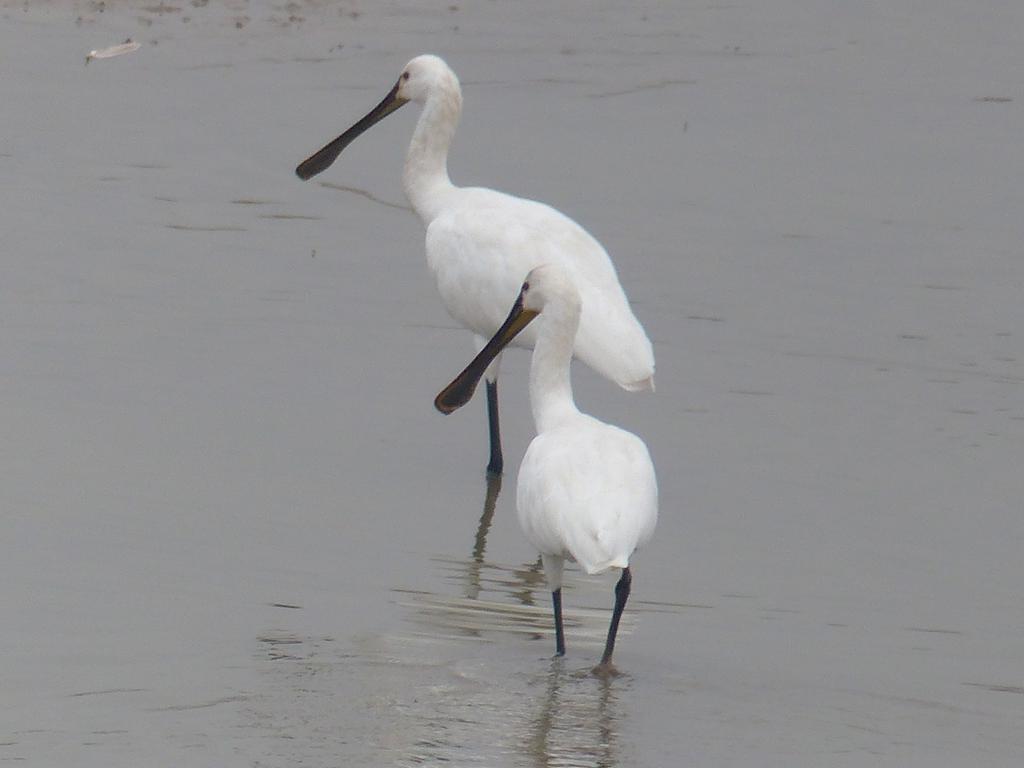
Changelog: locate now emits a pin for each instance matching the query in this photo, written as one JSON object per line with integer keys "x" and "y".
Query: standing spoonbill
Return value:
{"x": 586, "y": 489}
{"x": 481, "y": 242}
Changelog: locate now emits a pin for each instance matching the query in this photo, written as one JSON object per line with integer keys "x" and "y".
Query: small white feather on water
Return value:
{"x": 128, "y": 46}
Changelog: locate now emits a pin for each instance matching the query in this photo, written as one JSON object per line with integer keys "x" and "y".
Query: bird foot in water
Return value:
{"x": 605, "y": 670}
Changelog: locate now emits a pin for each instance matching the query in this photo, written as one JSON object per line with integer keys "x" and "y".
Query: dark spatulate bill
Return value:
{"x": 322, "y": 159}
{"x": 461, "y": 390}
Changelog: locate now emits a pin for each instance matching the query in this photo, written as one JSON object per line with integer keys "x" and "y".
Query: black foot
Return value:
{"x": 605, "y": 670}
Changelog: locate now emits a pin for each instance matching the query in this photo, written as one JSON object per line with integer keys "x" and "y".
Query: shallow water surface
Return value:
{"x": 235, "y": 532}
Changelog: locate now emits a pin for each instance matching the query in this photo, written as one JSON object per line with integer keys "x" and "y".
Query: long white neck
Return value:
{"x": 425, "y": 177}
{"x": 550, "y": 368}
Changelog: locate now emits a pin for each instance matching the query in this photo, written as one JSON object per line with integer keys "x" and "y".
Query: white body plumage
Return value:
{"x": 480, "y": 243}
{"x": 586, "y": 492}
{"x": 586, "y": 489}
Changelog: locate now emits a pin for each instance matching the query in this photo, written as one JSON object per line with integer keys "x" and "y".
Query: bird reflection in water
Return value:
{"x": 526, "y": 579}
{"x": 486, "y": 588}
{"x": 499, "y": 598}
{"x": 577, "y": 720}
{"x": 492, "y": 710}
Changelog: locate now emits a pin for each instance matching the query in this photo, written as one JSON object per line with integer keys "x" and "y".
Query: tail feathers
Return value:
{"x": 604, "y": 565}
{"x": 612, "y": 342}
{"x": 643, "y": 385}
{"x": 596, "y": 551}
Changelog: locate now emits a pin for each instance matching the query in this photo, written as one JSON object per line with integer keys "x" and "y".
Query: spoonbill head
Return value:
{"x": 421, "y": 77}
{"x": 586, "y": 490}
{"x": 480, "y": 243}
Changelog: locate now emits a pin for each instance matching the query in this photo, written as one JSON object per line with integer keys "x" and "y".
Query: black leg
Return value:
{"x": 621, "y": 596}
{"x": 496, "y": 464}
{"x": 556, "y": 601}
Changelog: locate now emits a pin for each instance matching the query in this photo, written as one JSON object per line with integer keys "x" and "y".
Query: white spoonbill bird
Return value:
{"x": 481, "y": 242}
{"x": 586, "y": 490}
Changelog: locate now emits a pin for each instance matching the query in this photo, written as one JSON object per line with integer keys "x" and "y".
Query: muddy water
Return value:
{"x": 235, "y": 532}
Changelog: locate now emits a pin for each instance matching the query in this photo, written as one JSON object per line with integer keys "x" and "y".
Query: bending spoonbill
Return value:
{"x": 481, "y": 242}
{"x": 586, "y": 489}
